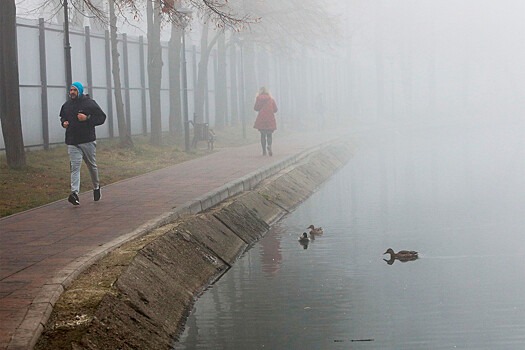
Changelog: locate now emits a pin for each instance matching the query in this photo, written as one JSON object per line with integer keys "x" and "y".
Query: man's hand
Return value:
{"x": 65, "y": 124}
{"x": 81, "y": 117}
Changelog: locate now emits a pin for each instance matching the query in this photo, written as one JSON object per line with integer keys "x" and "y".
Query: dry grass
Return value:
{"x": 46, "y": 176}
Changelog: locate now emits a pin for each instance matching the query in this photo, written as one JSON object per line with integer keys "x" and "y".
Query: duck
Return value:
{"x": 304, "y": 238}
{"x": 402, "y": 255}
{"x": 315, "y": 230}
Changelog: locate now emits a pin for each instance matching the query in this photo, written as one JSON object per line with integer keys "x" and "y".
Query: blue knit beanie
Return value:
{"x": 79, "y": 87}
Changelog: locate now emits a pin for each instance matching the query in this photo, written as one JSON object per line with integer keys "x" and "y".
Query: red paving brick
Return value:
{"x": 50, "y": 244}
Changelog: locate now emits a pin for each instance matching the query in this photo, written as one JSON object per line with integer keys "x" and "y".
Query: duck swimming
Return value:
{"x": 402, "y": 255}
{"x": 315, "y": 230}
{"x": 304, "y": 238}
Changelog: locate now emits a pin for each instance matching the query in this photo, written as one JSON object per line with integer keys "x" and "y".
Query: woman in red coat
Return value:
{"x": 265, "y": 121}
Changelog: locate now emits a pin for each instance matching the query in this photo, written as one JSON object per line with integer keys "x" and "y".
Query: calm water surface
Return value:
{"x": 456, "y": 197}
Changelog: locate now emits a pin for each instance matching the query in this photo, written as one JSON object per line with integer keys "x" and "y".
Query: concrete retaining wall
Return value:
{"x": 139, "y": 296}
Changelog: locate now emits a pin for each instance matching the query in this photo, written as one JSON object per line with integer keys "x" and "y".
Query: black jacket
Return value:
{"x": 81, "y": 132}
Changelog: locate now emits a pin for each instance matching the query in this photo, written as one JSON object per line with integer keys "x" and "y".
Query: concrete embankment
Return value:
{"x": 139, "y": 295}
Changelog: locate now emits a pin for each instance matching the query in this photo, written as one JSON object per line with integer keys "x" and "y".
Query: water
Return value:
{"x": 456, "y": 197}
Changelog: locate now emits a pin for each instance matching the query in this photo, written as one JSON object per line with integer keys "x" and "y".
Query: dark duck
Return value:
{"x": 402, "y": 255}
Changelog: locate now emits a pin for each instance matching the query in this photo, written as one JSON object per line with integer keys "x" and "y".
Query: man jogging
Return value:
{"x": 79, "y": 116}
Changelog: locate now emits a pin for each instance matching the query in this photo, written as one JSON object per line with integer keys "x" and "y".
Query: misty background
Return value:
{"x": 374, "y": 62}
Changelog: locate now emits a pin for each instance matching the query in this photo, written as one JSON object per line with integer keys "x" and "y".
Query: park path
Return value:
{"x": 44, "y": 248}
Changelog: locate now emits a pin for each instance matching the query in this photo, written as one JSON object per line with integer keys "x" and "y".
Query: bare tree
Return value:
{"x": 273, "y": 24}
{"x": 123, "y": 130}
{"x": 285, "y": 28}
{"x": 215, "y": 11}
{"x": 154, "y": 17}
{"x": 221, "y": 88}
{"x": 9, "y": 81}
{"x": 202, "y": 74}
{"x": 174, "y": 54}
{"x": 234, "y": 108}
{"x": 290, "y": 25}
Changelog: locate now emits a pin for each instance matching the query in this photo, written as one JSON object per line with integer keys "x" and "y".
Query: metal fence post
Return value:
{"x": 43, "y": 82}
{"x": 126, "y": 80}
{"x": 143, "y": 87}
{"x": 89, "y": 69}
{"x": 109, "y": 96}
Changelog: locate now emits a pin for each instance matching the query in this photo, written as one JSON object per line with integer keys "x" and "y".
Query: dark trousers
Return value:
{"x": 266, "y": 139}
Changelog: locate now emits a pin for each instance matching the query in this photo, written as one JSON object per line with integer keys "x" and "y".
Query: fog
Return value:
{"x": 388, "y": 62}
{"x": 437, "y": 61}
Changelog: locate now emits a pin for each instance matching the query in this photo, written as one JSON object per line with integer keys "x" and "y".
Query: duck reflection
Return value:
{"x": 402, "y": 255}
{"x": 304, "y": 240}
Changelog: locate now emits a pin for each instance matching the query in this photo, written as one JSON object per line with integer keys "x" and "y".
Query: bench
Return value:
{"x": 202, "y": 132}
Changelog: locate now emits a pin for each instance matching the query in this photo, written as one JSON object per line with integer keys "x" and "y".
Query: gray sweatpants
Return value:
{"x": 77, "y": 153}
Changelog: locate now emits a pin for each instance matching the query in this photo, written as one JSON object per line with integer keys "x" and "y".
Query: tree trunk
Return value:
{"x": 234, "y": 108}
{"x": 221, "y": 86}
{"x": 123, "y": 132}
{"x": 174, "y": 69}
{"x": 154, "y": 70}
{"x": 202, "y": 76}
{"x": 9, "y": 87}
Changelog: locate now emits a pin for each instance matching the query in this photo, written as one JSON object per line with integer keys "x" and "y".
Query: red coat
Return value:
{"x": 265, "y": 105}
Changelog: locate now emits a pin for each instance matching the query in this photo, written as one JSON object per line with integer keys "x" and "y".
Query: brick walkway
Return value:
{"x": 43, "y": 249}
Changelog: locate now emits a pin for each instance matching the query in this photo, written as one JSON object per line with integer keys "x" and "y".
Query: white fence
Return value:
{"x": 43, "y": 89}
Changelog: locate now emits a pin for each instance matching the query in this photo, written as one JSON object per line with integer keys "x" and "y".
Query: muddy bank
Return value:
{"x": 138, "y": 296}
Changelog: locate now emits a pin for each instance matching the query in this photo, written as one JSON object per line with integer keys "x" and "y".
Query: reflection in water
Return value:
{"x": 270, "y": 253}
{"x": 458, "y": 196}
